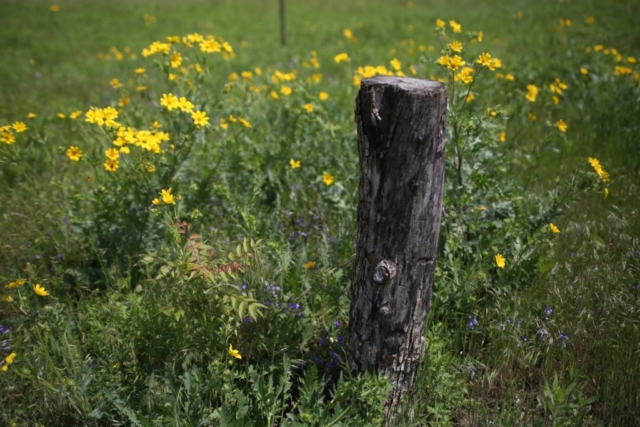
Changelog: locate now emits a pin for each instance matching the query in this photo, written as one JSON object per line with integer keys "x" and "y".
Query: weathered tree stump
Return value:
{"x": 401, "y": 141}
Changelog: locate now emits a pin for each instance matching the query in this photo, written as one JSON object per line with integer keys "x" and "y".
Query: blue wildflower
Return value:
{"x": 543, "y": 334}
{"x": 473, "y": 322}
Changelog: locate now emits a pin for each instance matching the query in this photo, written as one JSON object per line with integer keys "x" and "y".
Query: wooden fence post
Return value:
{"x": 401, "y": 124}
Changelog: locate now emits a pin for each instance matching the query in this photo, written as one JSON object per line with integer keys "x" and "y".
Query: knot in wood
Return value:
{"x": 384, "y": 271}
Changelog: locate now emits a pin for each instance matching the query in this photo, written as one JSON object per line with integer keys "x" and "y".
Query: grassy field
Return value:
{"x": 187, "y": 261}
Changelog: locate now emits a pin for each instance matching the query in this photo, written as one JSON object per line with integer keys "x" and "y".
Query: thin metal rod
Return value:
{"x": 283, "y": 25}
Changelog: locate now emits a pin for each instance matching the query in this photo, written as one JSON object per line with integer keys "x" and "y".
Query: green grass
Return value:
{"x": 125, "y": 342}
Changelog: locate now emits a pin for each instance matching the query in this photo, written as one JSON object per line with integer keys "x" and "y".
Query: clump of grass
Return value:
{"x": 180, "y": 218}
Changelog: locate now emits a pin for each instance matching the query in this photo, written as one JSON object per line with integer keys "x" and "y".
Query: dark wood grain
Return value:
{"x": 401, "y": 145}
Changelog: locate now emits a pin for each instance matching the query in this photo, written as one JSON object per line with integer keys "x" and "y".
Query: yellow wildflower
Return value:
{"x": 323, "y": 96}
{"x": 244, "y": 122}
{"x": 561, "y": 125}
{"x": 167, "y": 197}
{"x": 455, "y": 27}
{"x": 327, "y": 178}
{"x": 139, "y": 71}
{"x": 395, "y": 64}
{"x": 19, "y": 127}
{"x": 74, "y": 153}
{"x": 595, "y": 164}
{"x": 308, "y": 108}
{"x": 341, "y": 57}
{"x": 584, "y": 71}
{"x": 115, "y": 83}
{"x": 443, "y": 61}
{"x": 455, "y": 62}
{"x": 31, "y": 116}
{"x": 494, "y": 63}
{"x": 620, "y": 70}
{"x": 156, "y": 202}
{"x": 465, "y": 75}
{"x": 500, "y": 261}
{"x": 16, "y": 283}
{"x": 502, "y": 137}
{"x": 554, "y": 229}
{"x": 10, "y": 358}
{"x": 560, "y": 84}
{"x": 200, "y": 118}
{"x": 40, "y": 290}
{"x": 286, "y": 90}
{"x": 169, "y": 101}
{"x": 185, "y": 105}
{"x": 194, "y": 38}
{"x": 484, "y": 59}
{"x": 440, "y": 23}
{"x": 310, "y": 265}
{"x": 455, "y": 46}
{"x": 532, "y": 93}
{"x": 234, "y": 353}
{"x": 295, "y": 164}
{"x": 111, "y": 165}
{"x": 210, "y": 46}
{"x": 112, "y": 153}
{"x": 176, "y": 60}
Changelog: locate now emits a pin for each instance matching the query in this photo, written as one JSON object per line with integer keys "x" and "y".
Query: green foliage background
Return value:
{"x": 145, "y": 300}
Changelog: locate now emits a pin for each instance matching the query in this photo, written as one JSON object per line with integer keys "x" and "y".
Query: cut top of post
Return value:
{"x": 405, "y": 83}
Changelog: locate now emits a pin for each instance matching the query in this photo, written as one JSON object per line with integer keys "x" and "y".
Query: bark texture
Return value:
{"x": 401, "y": 124}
